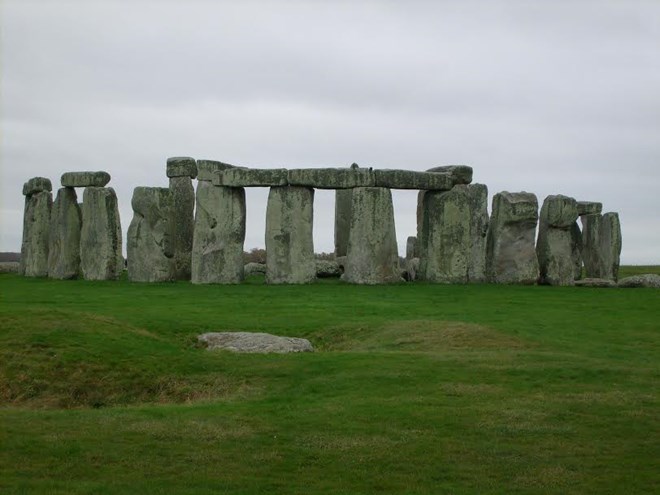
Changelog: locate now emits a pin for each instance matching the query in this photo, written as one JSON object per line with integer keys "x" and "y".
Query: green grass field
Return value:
{"x": 416, "y": 388}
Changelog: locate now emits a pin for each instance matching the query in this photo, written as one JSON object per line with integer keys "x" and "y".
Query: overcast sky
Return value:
{"x": 551, "y": 97}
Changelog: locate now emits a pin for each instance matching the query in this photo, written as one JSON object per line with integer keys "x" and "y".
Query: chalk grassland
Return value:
{"x": 416, "y": 388}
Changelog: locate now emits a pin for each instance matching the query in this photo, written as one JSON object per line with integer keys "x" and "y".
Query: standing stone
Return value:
{"x": 289, "y": 235}
{"x": 36, "y": 227}
{"x": 100, "y": 236}
{"x": 555, "y": 246}
{"x": 181, "y": 171}
{"x": 149, "y": 243}
{"x": 343, "y": 202}
{"x": 217, "y": 253}
{"x": 510, "y": 252}
{"x": 372, "y": 256}
{"x": 64, "y": 239}
{"x": 478, "y": 198}
{"x": 445, "y": 251}
{"x": 576, "y": 243}
{"x": 601, "y": 245}
{"x": 411, "y": 247}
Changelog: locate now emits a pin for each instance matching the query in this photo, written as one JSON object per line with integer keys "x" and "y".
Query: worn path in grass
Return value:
{"x": 416, "y": 389}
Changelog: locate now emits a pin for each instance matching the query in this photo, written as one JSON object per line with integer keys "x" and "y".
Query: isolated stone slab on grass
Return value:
{"x": 85, "y": 179}
{"x": 327, "y": 269}
{"x": 251, "y": 177}
{"x": 595, "y": 282}
{"x": 646, "y": 280}
{"x": 254, "y": 342}
{"x": 181, "y": 166}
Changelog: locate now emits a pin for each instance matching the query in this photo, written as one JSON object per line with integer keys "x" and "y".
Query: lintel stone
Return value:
{"x": 181, "y": 166}
{"x": 411, "y": 179}
{"x": 35, "y": 185}
{"x": 461, "y": 174}
{"x": 251, "y": 177}
{"x": 207, "y": 168}
{"x": 332, "y": 178}
{"x": 85, "y": 179}
{"x": 589, "y": 208}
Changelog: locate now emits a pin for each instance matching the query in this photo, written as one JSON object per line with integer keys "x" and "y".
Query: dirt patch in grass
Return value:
{"x": 418, "y": 336}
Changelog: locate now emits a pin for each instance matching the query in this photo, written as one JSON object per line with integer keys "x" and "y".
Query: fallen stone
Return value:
{"x": 254, "y": 342}
{"x": 183, "y": 225}
{"x": 150, "y": 242}
{"x": 343, "y": 201}
{"x": 181, "y": 166}
{"x": 10, "y": 266}
{"x": 555, "y": 244}
{"x": 410, "y": 179}
{"x": 217, "y": 255}
{"x": 289, "y": 235}
{"x": 36, "y": 230}
{"x": 460, "y": 174}
{"x": 254, "y": 269}
{"x": 64, "y": 238}
{"x": 410, "y": 269}
{"x": 100, "y": 237}
{"x": 646, "y": 280}
{"x": 251, "y": 177}
{"x": 332, "y": 178}
{"x": 589, "y": 208}
{"x": 36, "y": 185}
{"x": 478, "y": 200}
{"x": 510, "y": 251}
{"x": 411, "y": 247}
{"x": 445, "y": 241}
{"x": 595, "y": 282}
{"x": 207, "y": 169}
{"x": 372, "y": 256}
{"x": 328, "y": 269}
{"x": 85, "y": 179}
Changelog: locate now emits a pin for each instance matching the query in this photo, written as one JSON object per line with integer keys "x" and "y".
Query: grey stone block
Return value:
{"x": 36, "y": 185}
{"x": 478, "y": 199}
{"x": 181, "y": 166}
{"x": 85, "y": 179}
{"x": 251, "y": 177}
{"x": 343, "y": 201}
{"x": 36, "y": 230}
{"x": 460, "y": 174}
{"x": 589, "y": 208}
{"x": 207, "y": 169}
{"x": 332, "y": 178}
{"x": 183, "y": 197}
{"x": 555, "y": 246}
{"x": 601, "y": 245}
{"x": 410, "y": 179}
{"x": 64, "y": 239}
{"x": 100, "y": 237}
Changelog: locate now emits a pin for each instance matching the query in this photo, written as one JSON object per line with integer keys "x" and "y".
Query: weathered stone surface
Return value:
{"x": 251, "y": 177}
{"x": 445, "y": 241}
{"x": 36, "y": 229}
{"x": 576, "y": 242}
{"x": 150, "y": 240}
{"x": 254, "y": 342}
{"x": 555, "y": 246}
{"x": 410, "y": 179}
{"x": 410, "y": 269}
{"x": 601, "y": 245}
{"x": 64, "y": 238}
{"x": 289, "y": 235}
{"x": 254, "y": 269}
{"x": 510, "y": 252}
{"x": 217, "y": 255}
{"x": 646, "y": 280}
{"x": 411, "y": 247}
{"x": 183, "y": 224}
{"x": 332, "y": 178}
{"x": 595, "y": 282}
{"x": 181, "y": 166}
{"x": 100, "y": 236}
{"x": 10, "y": 267}
{"x": 343, "y": 203}
{"x": 372, "y": 256}
{"x": 478, "y": 199}
{"x": 589, "y": 208}
{"x": 328, "y": 269}
{"x": 85, "y": 179}
{"x": 207, "y": 169}
{"x": 36, "y": 185}
{"x": 460, "y": 174}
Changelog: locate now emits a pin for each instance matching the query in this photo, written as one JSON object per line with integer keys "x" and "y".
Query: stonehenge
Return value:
{"x": 198, "y": 235}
